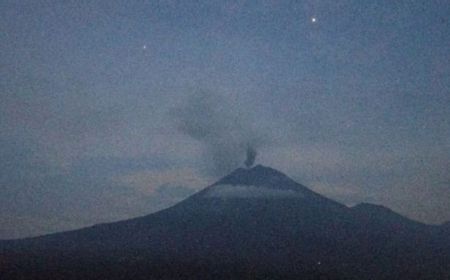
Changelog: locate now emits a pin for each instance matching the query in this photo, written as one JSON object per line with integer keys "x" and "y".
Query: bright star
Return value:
{"x": 313, "y": 19}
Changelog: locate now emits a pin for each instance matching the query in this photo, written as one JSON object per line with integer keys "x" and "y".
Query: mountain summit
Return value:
{"x": 259, "y": 181}
{"x": 258, "y": 175}
{"x": 253, "y": 223}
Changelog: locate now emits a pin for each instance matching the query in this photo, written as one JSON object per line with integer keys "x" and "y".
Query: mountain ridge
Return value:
{"x": 287, "y": 236}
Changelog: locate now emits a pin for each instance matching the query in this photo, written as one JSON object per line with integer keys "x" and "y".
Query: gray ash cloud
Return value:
{"x": 251, "y": 156}
{"x": 226, "y": 136}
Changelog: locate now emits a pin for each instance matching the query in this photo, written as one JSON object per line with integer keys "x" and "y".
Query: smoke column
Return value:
{"x": 251, "y": 156}
{"x": 224, "y": 133}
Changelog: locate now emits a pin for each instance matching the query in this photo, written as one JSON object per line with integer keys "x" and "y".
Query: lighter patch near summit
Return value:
{"x": 249, "y": 191}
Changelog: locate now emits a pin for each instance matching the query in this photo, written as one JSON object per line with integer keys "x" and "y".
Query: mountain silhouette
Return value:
{"x": 255, "y": 223}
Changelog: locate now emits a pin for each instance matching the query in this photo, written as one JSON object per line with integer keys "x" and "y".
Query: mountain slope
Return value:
{"x": 252, "y": 223}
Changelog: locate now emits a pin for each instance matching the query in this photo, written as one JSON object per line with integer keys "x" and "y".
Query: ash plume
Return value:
{"x": 251, "y": 156}
{"x": 225, "y": 134}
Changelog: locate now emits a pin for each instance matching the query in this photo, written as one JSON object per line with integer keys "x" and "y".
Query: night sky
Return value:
{"x": 115, "y": 109}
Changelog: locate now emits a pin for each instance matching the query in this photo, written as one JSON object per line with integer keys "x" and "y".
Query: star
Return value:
{"x": 313, "y": 19}
{"x": 144, "y": 47}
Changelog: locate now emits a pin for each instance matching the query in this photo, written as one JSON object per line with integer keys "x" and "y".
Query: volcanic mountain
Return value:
{"x": 254, "y": 223}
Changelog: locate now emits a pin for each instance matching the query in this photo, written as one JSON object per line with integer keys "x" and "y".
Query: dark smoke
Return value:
{"x": 224, "y": 133}
{"x": 251, "y": 156}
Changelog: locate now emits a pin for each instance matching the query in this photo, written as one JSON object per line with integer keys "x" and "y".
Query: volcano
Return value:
{"x": 255, "y": 223}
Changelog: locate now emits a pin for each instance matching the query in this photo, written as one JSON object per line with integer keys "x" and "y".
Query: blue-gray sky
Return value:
{"x": 114, "y": 109}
